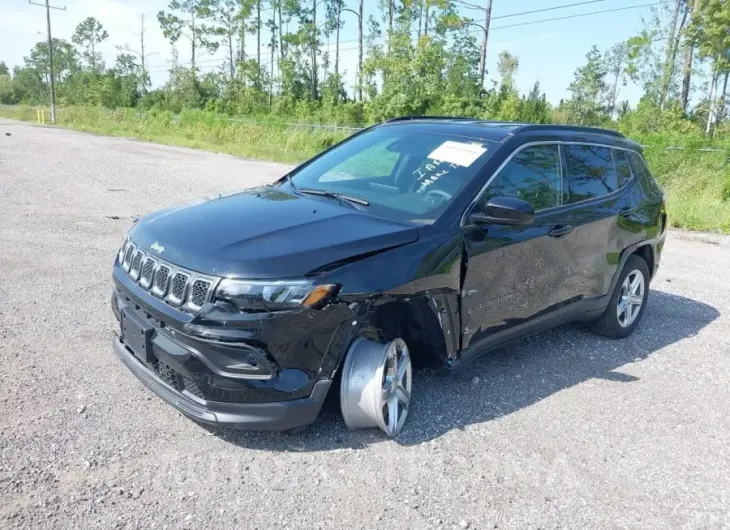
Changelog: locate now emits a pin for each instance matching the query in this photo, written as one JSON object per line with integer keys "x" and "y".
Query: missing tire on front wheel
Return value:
{"x": 376, "y": 385}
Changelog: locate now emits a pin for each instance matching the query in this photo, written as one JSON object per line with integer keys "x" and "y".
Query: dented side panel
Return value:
{"x": 420, "y": 283}
{"x": 446, "y": 308}
{"x": 514, "y": 274}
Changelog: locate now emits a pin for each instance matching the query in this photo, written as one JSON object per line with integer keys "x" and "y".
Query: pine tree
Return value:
{"x": 89, "y": 34}
{"x": 588, "y": 90}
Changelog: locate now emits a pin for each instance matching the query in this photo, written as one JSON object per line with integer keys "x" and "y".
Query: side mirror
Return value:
{"x": 505, "y": 211}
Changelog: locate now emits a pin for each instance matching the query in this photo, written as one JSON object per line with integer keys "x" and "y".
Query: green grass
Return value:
{"x": 196, "y": 129}
{"x": 697, "y": 184}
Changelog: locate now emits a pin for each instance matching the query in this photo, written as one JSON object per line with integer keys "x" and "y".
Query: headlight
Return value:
{"x": 285, "y": 294}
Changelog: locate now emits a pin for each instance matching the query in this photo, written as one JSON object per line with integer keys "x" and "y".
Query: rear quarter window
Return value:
{"x": 641, "y": 169}
{"x": 623, "y": 170}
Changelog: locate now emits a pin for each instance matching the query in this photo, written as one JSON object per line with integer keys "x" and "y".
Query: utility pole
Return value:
{"x": 337, "y": 40}
{"x": 258, "y": 33}
{"x": 485, "y": 38}
{"x": 50, "y": 54}
{"x": 314, "y": 50}
{"x": 359, "y": 14}
{"x": 140, "y": 53}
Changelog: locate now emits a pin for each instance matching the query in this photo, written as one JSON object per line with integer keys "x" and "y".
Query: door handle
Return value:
{"x": 560, "y": 230}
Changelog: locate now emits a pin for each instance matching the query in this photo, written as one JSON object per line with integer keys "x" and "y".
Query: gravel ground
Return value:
{"x": 560, "y": 430}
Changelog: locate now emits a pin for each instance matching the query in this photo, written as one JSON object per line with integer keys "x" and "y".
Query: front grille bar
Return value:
{"x": 136, "y": 268}
{"x": 178, "y": 288}
{"x": 182, "y": 288}
{"x": 128, "y": 257}
{"x": 148, "y": 272}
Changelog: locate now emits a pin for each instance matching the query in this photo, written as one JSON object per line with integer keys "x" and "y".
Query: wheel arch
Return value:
{"x": 643, "y": 249}
{"x": 646, "y": 252}
{"x": 424, "y": 322}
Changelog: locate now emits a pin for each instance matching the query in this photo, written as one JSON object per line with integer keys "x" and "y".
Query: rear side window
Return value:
{"x": 642, "y": 170}
{"x": 590, "y": 172}
{"x": 623, "y": 170}
{"x": 532, "y": 175}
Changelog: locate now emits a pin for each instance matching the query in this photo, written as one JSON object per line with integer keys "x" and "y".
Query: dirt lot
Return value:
{"x": 561, "y": 430}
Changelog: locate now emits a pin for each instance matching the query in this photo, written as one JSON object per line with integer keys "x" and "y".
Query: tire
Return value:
{"x": 628, "y": 301}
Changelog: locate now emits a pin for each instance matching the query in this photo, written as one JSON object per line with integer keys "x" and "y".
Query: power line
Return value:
{"x": 468, "y": 5}
{"x": 472, "y": 6}
{"x": 547, "y": 19}
{"x": 563, "y": 6}
{"x": 552, "y": 19}
{"x": 582, "y": 15}
{"x": 50, "y": 54}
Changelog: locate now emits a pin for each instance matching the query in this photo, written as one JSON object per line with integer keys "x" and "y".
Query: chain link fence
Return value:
{"x": 352, "y": 129}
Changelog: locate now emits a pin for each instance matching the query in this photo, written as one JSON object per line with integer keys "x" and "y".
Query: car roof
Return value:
{"x": 497, "y": 131}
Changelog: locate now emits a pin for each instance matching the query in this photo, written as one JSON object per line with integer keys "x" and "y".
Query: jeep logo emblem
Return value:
{"x": 157, "y": 247}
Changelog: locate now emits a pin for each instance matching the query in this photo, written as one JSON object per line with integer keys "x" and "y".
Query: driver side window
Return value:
{"x": 532, "y": 175}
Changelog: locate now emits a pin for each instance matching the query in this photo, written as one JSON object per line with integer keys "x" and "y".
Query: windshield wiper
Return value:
{"x": 340, "y": 196}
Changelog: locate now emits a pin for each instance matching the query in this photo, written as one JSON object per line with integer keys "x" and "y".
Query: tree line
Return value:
{"x": 414, "y": 57}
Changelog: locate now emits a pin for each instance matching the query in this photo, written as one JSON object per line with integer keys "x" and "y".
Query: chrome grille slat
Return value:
{"x": 178, "y": 288}
{"x": 123, "y": 250}
{"x": 162, "y": 280}
{"x": 186, "y": 290}
{"x": 128, "y": 257}
{"x": 199, "y": 293}
{"x": 148, "y": 272}
{"x": 136, "y": 267}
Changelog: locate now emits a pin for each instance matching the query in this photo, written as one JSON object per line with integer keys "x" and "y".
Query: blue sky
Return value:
{"x": 548, "y": 52}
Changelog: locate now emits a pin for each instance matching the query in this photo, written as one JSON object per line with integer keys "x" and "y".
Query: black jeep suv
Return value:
{"x": 420, "y": 240}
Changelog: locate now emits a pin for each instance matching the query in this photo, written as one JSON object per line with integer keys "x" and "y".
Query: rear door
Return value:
{"x": 514, "y": 273}
{"x": 595, "y": 199}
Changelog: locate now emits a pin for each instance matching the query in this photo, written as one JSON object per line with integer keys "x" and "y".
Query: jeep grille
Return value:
{"x": 182, "y": 288}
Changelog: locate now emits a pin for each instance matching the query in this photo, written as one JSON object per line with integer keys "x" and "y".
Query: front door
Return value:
{"x": 515, "y": 274}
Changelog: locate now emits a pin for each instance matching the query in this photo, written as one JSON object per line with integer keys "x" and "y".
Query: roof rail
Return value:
{"x": 518, "y": 127}
{"x": 575, "y": 128}
{"x": 409, "y": 118}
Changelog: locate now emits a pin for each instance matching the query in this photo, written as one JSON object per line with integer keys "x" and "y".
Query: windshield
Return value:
{"x": 402, "y": 173}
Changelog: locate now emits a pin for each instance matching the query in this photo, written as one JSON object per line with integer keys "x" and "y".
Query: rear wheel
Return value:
{"x": 628, "y": 301}
{"x": 376, "y": 385}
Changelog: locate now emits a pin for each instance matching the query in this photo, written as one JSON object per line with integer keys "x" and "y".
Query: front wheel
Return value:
{"x": 376, "y": 385}
{"x": 628, "y": 301}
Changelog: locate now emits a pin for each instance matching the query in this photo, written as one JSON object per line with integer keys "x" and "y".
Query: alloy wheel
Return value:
{"x": 376, "y": 385}
{"x": 630, "y": 298}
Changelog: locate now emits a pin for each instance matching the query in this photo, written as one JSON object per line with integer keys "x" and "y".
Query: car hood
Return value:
{"x": 265, "y": 233}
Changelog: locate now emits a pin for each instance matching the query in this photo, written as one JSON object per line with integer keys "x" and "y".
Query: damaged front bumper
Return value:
{"x": 276, "y": 416}
{"x": 269, "y": 371}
